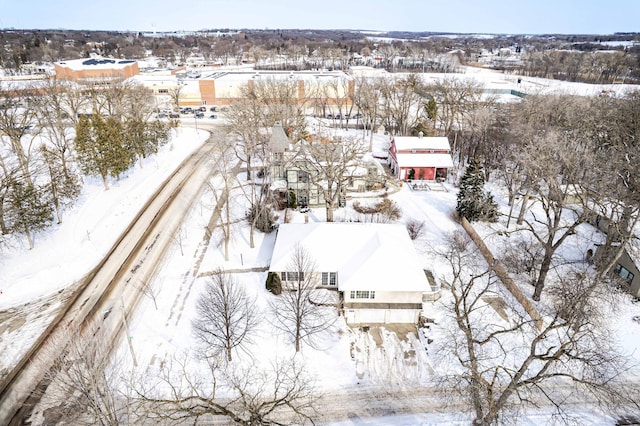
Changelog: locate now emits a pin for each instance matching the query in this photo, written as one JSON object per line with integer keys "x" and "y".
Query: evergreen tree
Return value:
{"x": 29, "y": 209}
{"x": 473, "y": 202}
{"x": 143, "y": 138}
{"x": 100, "y": 147}
{"x": 64, "y": 187}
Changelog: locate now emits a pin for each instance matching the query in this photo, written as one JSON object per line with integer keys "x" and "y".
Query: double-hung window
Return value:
{"x": 292, "y": 276}
{"x": 329, "y": 278}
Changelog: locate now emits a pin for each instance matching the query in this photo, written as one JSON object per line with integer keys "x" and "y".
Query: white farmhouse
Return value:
{"x": 373, "y": 266}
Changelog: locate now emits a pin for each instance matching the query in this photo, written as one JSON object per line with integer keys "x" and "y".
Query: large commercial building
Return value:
{"x": 96, "y": 70}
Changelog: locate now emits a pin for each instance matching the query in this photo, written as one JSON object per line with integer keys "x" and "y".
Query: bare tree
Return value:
{"x": 403, "y": 104}
{"x": 220, "y": 187}
{"x": 175, "y": 95}
{"x": 301, "y": 311}
{"x": 507, "y": 361}
{"x": 330, "y": 165}
{"x": 415, "y": 228}
{"x": 283, "y": 394}
{"x": 555, "y": 167}
{"x": 85, "y": 385}
{"x": 17, "y": 120}
{"x": 556, "y": 161}
{"x": 455, "y": 98}
{"x": 246, "y": 120}
{"x": 340, "y": 91}
{"x": 616, "y": 130}
{"x": 282, "y": 101}
{"x": 264, "y": 102}
{"x": 57, "y": 113}
{"x": 367, "y": 98}
{"x": 260, "y": 214}
{"x": 226, "y": 317}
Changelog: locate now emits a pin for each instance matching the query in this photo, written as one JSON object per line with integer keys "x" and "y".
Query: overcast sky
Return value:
{"x": 462, "y": 16}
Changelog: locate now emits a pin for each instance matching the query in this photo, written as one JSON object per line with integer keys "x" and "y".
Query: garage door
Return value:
{"x": 401, "y": 316}
{"x": 370, "y": 316}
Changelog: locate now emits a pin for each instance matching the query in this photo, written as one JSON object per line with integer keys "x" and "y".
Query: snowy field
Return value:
{"x": 391, "y": 360}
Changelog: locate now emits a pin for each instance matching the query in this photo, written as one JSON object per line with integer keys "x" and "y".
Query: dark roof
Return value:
{"x": 94, "y": 61}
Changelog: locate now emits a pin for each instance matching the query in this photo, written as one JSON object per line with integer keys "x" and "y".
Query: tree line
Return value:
{"x": 566, "y": 57}
{"x": 54, "y": 135}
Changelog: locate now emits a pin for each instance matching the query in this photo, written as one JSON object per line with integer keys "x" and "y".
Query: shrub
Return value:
{"x": 291, "y": 200}
{"x": 266, "y": 218}
{"x": 274, "y": 284}
{"x": 415, "y": 228}
{"x": 383, "y": 212}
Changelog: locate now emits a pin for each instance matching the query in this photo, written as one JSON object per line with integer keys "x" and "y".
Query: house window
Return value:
{"x": 163, "y": 90}
{"x": 292, "y": 276}
{"x": 624, "y": 273}
{"x": 329, "y": 278}
{"x": 303, "y": 176}
{"x": 363, "y": 294}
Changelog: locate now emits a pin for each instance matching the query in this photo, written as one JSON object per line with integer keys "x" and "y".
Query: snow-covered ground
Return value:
{"x": 31, "y": 279}
{"x": 385, "y": 358}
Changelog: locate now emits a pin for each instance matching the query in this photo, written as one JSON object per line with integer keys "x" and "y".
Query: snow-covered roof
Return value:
{"x": 241, "y": 77}
{"x": 96, "y": 63}
{"x": 425, "y": 160}
{"x": 279, "y": 142}
{"x": 366, "y": 256}
{"x": 278, "y": 184}
{"x": 425, "y": 142}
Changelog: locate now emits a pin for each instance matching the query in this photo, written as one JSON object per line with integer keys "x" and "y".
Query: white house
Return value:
{"x": 374, "y": 267}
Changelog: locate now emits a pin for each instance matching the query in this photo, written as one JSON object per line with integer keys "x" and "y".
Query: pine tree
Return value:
{"x": 121, "y": 158}
{"x": 100, "y": 148}
{"x": 473, "y": 202}
{"x": 144, "y": 138}
{"x": 63, "y": 187}
{"x": 29, "y": 209}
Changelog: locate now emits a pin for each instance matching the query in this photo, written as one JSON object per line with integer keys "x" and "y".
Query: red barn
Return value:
{"x": 420, "y": 158}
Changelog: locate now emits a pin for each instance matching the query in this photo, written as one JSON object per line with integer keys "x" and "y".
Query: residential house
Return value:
{"x": 627, "y": 266}
{"x": 287, "y": 173}
{"x": 420, "y": 157}
{"x": 291, "y": 172}
{"x": 373, "y": 266}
